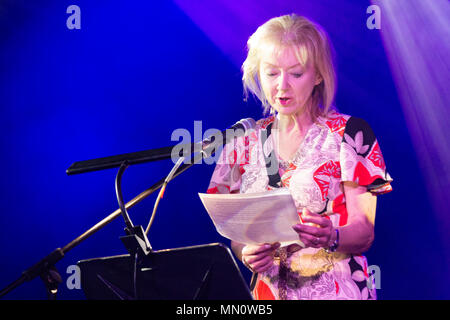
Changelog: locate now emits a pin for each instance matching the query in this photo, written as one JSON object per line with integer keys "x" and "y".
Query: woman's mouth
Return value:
{"x": 284, "y": 100}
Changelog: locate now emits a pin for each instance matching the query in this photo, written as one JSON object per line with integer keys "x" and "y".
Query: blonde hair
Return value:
{"x": 310, "y": 41}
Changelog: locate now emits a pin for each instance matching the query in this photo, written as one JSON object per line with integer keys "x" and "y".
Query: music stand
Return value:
{"x": 204, "y": 272}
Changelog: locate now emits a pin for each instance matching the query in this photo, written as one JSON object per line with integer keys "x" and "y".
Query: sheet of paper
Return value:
{"x": 254, "y": 218}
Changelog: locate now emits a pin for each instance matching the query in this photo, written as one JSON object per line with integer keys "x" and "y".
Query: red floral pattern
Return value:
{"x": 339, "y": 207}
{"x": 376, "y": 157}
{"x": 336, "y": 123}
{"x": 323, "y": 174}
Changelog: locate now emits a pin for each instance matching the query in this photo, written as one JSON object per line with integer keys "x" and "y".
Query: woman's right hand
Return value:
{"x": 259, "y": 258}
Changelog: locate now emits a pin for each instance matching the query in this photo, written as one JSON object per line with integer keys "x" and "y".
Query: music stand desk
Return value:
{"x": 204, "y": 272}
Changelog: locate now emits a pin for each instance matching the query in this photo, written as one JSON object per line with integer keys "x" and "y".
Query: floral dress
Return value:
{"x": 335, "y": 149}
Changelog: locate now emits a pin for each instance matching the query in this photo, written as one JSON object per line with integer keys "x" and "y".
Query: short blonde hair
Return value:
{"x": 310, "y": 41}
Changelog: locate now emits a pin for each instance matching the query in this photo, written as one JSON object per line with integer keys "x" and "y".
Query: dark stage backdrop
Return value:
{"x": 135, "y": 72}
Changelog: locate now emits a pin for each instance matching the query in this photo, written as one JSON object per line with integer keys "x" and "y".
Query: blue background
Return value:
{"x": 132, "y": 74}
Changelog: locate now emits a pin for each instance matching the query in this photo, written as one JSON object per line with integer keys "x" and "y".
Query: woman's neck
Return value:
{"x": 295, "y": 123}
{"x": 290, "y": 131}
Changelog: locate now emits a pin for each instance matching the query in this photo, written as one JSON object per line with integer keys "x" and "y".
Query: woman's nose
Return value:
{"x": 283, "y": 83}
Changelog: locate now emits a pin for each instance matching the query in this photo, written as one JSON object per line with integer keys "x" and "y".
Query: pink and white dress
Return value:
{"x": 335, "y": 149}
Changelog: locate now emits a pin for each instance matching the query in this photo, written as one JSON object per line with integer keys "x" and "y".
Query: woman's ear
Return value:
{"x": 318, "y": 79}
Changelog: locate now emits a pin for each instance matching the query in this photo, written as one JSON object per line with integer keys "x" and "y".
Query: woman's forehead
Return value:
{"x": 283, "y": 55}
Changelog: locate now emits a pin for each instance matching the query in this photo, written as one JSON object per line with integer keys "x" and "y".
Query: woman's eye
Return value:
{"x": 297, "y": 75}
{"x": 271, "y": 74}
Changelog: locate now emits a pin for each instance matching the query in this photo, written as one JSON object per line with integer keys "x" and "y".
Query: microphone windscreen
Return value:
{"x": 245, "y": 124}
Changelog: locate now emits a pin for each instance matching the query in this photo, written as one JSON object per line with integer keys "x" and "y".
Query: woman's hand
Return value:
{"x": 316, "y": 230}
{"x": 259, "y": 258}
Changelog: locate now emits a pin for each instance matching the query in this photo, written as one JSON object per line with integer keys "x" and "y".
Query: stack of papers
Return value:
{"x": 254, "y": 218}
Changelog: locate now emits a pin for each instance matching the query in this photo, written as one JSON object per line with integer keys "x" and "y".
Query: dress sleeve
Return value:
{"x": 361, "y": 159}
{"x": 227, "y": 174}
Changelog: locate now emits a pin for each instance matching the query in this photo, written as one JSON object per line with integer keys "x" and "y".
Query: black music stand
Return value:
{"x": 205, "y": 272}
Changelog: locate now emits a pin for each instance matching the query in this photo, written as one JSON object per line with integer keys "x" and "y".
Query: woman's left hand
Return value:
{"x": 316, "y": 231}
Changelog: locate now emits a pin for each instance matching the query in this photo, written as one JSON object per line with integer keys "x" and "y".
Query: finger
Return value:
{"x": 264, "y": 265}
{"x": 309, "y": 214}
{"x": 320, "y": 220}
{"x": 276, "y": 245}
{"x": 306, "y": 239}
{"x": 323, "y": 234}
{"x": 256, "y": 249}
{"x": 313, "y": 231}
{"x": 306, "y": 212}
{"x": 255, "y": 259}
{"x": 312, "y": 241}
{"x": 257, "y": 266}
{"x": 259, "y": 256}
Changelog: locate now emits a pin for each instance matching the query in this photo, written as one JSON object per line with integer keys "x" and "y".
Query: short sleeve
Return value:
{"x": 361, "y": 159}
{"x": 227, "y": 174}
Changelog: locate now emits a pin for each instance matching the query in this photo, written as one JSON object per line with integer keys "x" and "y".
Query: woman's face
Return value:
{"x": 286, "y": 84}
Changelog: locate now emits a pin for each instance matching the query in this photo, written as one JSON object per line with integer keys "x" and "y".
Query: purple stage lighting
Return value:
{"x": 416, "y": 36}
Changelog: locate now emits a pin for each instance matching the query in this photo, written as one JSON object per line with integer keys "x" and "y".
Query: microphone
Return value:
{"x": 239, "y": 129}
{"x": 244, "y": 124}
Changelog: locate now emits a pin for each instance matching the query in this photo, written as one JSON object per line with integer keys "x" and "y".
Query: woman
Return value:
{"x": 330, "y": 162}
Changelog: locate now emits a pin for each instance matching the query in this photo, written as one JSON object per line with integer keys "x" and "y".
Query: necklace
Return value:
{"x": 285, "y": 164}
